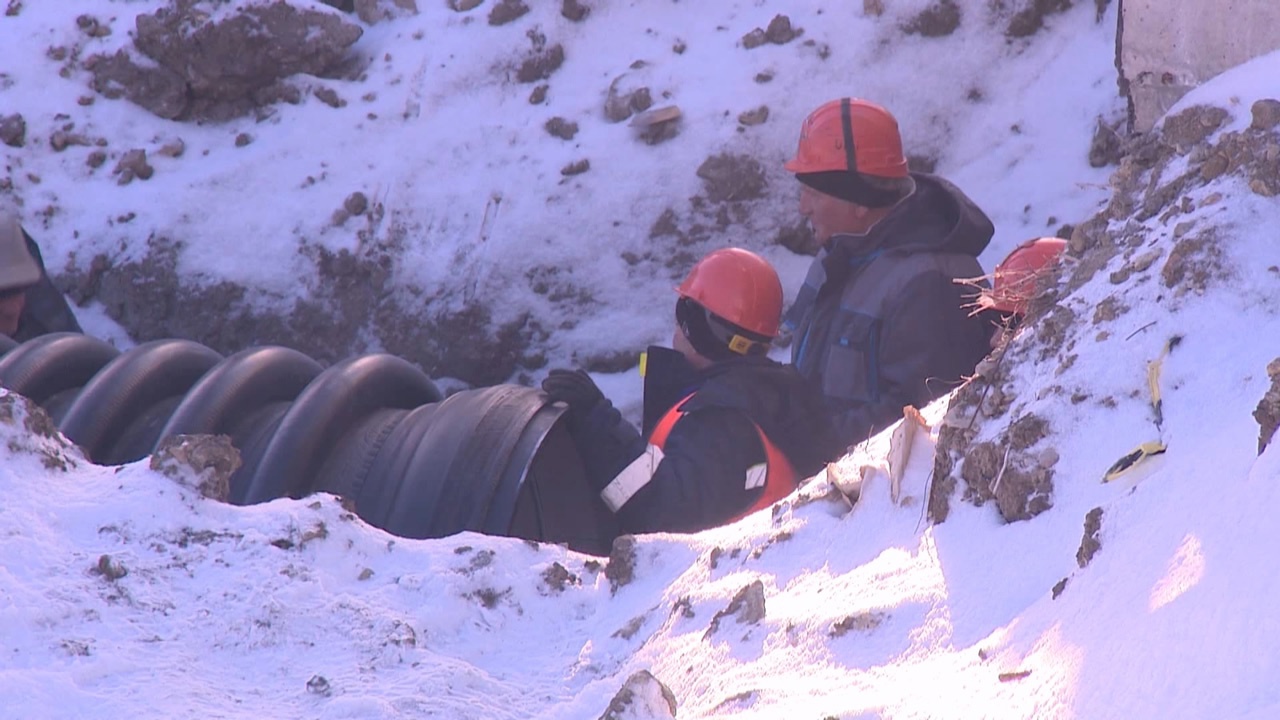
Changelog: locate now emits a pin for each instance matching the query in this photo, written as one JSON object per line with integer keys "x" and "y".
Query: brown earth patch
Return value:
{"x": 1020, "y": 482}
{"x": 621, "y": 569}
{"x": 1089, "y": 544}
{"x": 1027, "y": 431}
{"x": 636, "y": 692}
{"x": 557, "y": 578}
{"x": 507, "y": 11}
{"x": 1031, "y": 18}
{"x": 1268, "y": 411}
{"x": 981, "y": 463}
{"x": 540, "y": 64}
{"x": 1265, "y": 114}
{"x": 1108, "y": 310}
{"x": 1024, "y": 492}
{"x": 862, "y": 622}
{"x": 574, "y": 11}
{"x": 1192, "y": 126}
{"x": 611, "y": 362}
{"x": 1194, "y": 261}
{"x": 938, "y": 20}
{"x": 352, "y": 296}
{"x": 561, "y": 128}
{"x": 1052, "y": 330}
{"x": 205, "y": 463}
{"x": 729, "y": 177}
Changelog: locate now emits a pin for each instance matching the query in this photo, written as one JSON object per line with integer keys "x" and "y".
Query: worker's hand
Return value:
{"x": 574, "y": 387}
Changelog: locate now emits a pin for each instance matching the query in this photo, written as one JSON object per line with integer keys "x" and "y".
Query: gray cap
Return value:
{"x": 17, "y": 268}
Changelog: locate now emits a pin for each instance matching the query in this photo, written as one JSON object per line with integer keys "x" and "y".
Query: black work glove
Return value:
{"x": 573, "y": 387}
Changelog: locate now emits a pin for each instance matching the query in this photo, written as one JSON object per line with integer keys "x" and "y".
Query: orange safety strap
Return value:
{"x": 780, "y": 478}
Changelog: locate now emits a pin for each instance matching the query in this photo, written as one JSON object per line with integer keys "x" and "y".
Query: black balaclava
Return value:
{"x": 713, "y": 337}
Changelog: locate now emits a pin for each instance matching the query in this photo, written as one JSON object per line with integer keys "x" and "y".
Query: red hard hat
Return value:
{"x": 1016, "y": 280}
{"x": 850, "y": 132}
{"x": 738, "y": 286}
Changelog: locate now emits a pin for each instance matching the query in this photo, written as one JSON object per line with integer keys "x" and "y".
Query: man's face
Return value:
{"x": 829, "y": 215}
{"x": 11, "y": 304}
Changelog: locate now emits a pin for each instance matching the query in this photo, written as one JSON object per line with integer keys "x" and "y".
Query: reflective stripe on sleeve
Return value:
{"x": 757, "y": 475}
{"x": 633, "y": 477}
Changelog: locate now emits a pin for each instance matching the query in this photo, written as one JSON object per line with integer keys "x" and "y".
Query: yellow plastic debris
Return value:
{"x": 1131, "y": 459}
{"x": 1153, "y": 378}
{"x": 1153, "y": 386}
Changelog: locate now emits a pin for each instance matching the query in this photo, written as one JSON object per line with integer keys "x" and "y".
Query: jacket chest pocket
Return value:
{"x": 851, "y": 369}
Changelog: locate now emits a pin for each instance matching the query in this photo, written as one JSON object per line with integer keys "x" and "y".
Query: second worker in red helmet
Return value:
{"x": 727, "y": 431}
{"x": 881, "y": 322}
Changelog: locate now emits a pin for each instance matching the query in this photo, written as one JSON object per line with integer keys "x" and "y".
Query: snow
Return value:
{"x": 298, "y": 609}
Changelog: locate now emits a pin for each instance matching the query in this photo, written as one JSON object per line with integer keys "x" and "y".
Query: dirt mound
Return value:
{"x": 217, "y": 69}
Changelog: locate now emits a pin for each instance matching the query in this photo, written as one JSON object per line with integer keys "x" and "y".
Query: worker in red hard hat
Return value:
{"x": 1019, "y": 279}
{"x": 881, "y": 321}
{"x": 727, "y": 431}
{"x": 30, "y": 305}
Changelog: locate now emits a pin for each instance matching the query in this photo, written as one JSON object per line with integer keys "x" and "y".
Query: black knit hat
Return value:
{"x": 850, "y": 187}
{"x": 715, "y": 338}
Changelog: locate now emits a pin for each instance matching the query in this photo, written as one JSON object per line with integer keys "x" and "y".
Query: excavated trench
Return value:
{"x": 373, "y": 429}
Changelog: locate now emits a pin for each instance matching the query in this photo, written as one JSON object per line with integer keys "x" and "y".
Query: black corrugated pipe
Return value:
{"x": 461, "y": 456}
{"x": 557, "y": 504}
{"x": 238, "y": 387}
{"x": 327, "y": 408}
{"x": 494, "y": 460}
{"x": 51, "y": 369}
{"x": 120, "y": 402}
{"x": 373, "y": 429}
{"x": 244, "y": 397}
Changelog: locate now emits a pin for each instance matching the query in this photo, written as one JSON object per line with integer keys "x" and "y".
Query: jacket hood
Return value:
{"x": 938, "y": 216}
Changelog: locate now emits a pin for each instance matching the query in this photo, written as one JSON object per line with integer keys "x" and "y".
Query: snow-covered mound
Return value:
{"x": 125, "y": 592}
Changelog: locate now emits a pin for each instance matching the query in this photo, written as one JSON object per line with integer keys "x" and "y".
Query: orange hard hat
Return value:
{"x": 850, "y": 134}
{"x": 1017, "y": 278}
{"x": 739, "y": 287}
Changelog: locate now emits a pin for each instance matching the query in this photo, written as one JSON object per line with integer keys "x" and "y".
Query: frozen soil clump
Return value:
{"x": 190, "y": 76}
{"x": 1268, "y": 411}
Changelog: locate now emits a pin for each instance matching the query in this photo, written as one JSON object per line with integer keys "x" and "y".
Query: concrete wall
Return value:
{"x": 1167, "y": 47}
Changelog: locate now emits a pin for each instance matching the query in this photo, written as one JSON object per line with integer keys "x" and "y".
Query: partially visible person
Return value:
{"x": 727, "y": 431}
{"x": 30, "y": 305}
{"x": 1019, "y": 278}
{"x": 881, "y": 321}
